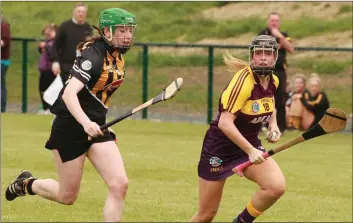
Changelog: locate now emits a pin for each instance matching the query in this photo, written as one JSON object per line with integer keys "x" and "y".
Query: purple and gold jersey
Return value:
{"x": 252, "y": 104}
{"x": 249, "y": 101}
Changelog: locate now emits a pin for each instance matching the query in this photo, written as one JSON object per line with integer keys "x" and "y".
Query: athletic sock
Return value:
{"x": 28, "y": 186}
{"x": 248, "y": 215}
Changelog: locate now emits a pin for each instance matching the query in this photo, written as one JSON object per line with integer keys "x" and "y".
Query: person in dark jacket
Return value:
{"x": 69, "y": 34}
{"x": 285, "y": 45}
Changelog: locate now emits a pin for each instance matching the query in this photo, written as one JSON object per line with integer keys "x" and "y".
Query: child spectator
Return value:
{"x": 45, "y": 63}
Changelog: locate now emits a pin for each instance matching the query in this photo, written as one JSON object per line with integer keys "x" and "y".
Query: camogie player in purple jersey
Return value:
{"x": 232, "y": 138}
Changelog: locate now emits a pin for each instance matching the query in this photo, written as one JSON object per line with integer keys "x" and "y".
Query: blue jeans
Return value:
{"x": 3, "y": 88}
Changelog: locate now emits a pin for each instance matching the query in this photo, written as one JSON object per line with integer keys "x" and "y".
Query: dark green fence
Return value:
{"x": 145, "y": 62}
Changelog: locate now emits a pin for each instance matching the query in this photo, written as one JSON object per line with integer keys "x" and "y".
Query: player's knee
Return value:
{"x": 118, "y": 186}
{"x": 207, "y": 215}
{"x": 68, "y": 198}
{"x": 277, "y": 189}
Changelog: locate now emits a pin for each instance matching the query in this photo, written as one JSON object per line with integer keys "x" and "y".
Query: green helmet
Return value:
{"x": 113, "y": 17}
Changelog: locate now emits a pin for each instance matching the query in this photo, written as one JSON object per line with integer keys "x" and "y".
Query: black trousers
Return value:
{"x": 45, "y": 79}
{"x": 3, "y": 88}
{"x": 280, "y": 98}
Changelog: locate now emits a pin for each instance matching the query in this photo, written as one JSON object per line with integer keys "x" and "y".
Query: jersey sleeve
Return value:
{"x": 305, "y": 99}
{"x": 237, "y": 92}
{"x": 275, "y": 80}
{"x": 285, "y": 34}
{"x": 89, "y": 64}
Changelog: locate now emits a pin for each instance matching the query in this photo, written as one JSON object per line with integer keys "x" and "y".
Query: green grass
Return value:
{"x": 161, "y": 163}
{"x": 345, "y": 9}
{"x": 297, "y": 28}
{"x": 156, "y": 21}
{"x": 165, "y": 60}
{"x": 341, "y": 97}
{"x": 296, "y": 6}
{"x": 166, "y": 21}
{"x": 306, "y": 26}
{"x": 163, "y": 22}
{"x": 323, "y": 65}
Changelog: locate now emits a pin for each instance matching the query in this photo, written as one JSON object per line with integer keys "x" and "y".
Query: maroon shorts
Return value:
{"x": 220, "y": 155}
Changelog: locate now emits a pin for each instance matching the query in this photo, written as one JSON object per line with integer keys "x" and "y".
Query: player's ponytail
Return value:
{"x": 90, "y": 39}
{"x": 234, "y": 64}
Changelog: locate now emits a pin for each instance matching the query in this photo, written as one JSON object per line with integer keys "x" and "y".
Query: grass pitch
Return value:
{"x": 161, "y": 162}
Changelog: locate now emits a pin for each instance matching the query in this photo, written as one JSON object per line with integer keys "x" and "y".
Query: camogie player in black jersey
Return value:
{"x": 80, "y": 110}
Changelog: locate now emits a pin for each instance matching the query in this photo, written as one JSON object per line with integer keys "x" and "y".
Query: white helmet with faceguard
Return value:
{"x": 265, "y": 44}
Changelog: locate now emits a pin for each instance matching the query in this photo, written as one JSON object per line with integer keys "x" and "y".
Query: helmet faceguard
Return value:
{"x": 264, "y": 44}
{"x": 113, "y": 18}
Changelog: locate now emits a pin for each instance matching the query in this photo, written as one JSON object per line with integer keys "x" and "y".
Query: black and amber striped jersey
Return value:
{"x": 249, "y": 101}
{"x": 101, "y": 69}
{"x": 316, "y": 104}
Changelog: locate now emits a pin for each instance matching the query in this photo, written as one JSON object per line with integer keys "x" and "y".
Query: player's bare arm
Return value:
{"x": 71, "y": 100}
{"x": 226, "y": 124}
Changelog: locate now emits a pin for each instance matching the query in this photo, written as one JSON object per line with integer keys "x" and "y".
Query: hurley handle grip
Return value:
{"x": 239, "y": 169}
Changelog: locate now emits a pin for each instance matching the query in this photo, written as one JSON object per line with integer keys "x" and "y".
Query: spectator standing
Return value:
{"x": 69, "y": 34}
{"x": 46, "y": 76}
{"x": 5, "y": 59}
{"x": 285, "y": 45}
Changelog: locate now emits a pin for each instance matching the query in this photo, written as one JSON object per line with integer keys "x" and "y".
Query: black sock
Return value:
{"x": 29, "y": 186}
{"x": 248, "y": 215}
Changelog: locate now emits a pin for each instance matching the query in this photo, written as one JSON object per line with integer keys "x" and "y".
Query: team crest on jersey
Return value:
{"x": 215, "y": 161}
{"x": 86, "y": 65}
{"x": 255, "y": 107}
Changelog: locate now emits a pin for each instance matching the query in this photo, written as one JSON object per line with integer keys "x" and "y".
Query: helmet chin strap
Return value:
{"x": 263, "y": 72}
{"x": 109, "y": 40}
{"x": 122, "y": 50}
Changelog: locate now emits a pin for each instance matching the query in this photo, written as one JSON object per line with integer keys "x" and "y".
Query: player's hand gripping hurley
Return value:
{"x": 166, "y": 94}
{"x": 334, "y": 120}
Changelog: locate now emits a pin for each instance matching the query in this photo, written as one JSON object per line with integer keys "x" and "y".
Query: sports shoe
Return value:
{"x": 238, "y": 219}
{"x": 17, "y": 187}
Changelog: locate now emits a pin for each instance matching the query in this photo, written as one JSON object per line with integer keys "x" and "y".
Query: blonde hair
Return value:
{"x": 301, "y": 76}
{"x": 315, "y": 77}
{"x": 234, "y": 64}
